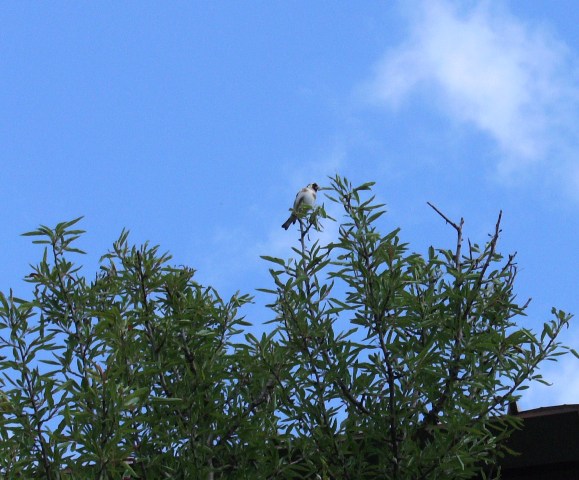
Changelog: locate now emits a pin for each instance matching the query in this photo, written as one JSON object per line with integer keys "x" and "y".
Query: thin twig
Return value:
{"x": 458, "y": 228}
{"x": 446, "y": 219}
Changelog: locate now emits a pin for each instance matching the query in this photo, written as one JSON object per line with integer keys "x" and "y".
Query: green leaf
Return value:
{"x": 165, "y": 400}
{"x": 279, "y": 261}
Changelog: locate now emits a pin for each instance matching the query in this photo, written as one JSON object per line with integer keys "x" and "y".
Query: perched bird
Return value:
{"x": 306, "y": 196}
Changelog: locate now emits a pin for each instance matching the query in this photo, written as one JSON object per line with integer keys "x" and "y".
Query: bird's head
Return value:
{"x": 314, "y": 186}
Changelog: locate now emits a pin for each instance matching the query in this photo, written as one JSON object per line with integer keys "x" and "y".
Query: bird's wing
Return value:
{"x": 300, "y": 198}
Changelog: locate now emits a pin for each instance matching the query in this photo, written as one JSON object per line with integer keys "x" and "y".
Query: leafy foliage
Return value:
{"x": 381, "y": 363}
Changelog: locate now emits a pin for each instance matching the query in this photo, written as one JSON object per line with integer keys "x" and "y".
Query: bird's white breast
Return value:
{"x": 306, "y": 196}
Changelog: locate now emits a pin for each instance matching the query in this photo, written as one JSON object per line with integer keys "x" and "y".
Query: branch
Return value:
{"x": 339, "y": 382}
{"x": 457, "y": 227}
{"x": 432, "y": 416}
{"x": 253, "y": 405}
{"x": 446, "y": 219}
{"x": 489, "y": 259}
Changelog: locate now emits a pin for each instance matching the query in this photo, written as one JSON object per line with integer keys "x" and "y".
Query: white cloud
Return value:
{"x": 483, "y": 67}
{"x": 564, "y": 388}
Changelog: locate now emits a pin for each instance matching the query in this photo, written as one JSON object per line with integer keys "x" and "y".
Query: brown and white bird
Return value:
{"x": 306, "y": 196}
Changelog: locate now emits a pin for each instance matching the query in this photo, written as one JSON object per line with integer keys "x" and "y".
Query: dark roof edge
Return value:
{"x": 544, "y": 411}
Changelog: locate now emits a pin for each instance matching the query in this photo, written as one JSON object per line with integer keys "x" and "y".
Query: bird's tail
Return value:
{"x": 290, "y": 221}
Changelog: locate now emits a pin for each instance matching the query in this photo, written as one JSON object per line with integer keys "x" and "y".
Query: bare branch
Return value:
{"x": 458, "y": 228}
{"x": 446, "y": 219}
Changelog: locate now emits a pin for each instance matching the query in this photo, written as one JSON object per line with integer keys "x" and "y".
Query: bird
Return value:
{"x": 306, "y": 196}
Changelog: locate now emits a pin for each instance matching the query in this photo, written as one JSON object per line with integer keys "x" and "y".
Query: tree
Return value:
{"x": 380, "y": 363}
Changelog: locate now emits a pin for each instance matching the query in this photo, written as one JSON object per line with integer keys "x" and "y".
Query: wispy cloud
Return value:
{"x": 512, "y": 80}
{"x": 562, "y": 376}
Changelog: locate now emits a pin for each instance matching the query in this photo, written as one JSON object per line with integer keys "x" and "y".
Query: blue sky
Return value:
{"x": 193, "y": 124}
